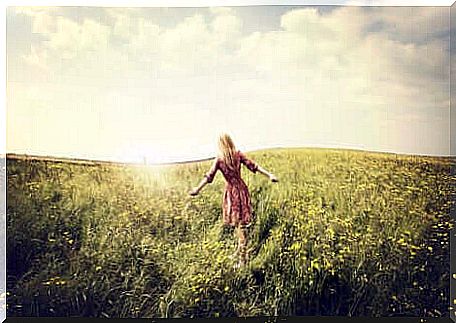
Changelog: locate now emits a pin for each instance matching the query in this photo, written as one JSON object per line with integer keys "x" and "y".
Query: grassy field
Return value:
{"x": 342, "y": 233}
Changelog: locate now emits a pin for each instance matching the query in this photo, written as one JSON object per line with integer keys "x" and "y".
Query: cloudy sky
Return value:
{"x": 161, "y": 83}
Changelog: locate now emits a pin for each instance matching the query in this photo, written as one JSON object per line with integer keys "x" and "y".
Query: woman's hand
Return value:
{"x": 194, "y": 192}
{"x": 273, "y": 178}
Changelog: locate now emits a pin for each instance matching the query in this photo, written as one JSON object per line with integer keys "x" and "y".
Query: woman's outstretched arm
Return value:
{"x": 208, "y": 178}
{"x": 266, "y": 173}
{"x": 196, "y": 190}
{"x": 254, "y": 167}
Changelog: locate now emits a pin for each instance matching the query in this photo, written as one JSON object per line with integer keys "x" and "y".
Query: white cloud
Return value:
{"x": 227, "y": 26}
{"x": 35, "y": 59}
{"x": 221, "y": 11}
{"x": 78, "y": 39}
{"x": 315, "y": 48}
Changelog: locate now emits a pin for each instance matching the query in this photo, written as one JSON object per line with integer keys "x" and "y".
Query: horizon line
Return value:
{"x": 87, "y": 161}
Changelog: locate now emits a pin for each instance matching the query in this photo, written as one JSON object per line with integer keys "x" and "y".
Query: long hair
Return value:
{"x": 227, "y": 150}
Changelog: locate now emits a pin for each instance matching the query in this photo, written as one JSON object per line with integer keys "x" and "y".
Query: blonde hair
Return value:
{"x": 227, "y": 150}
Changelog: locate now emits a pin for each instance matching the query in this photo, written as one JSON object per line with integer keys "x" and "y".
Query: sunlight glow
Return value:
{"x": 165, "y": 152}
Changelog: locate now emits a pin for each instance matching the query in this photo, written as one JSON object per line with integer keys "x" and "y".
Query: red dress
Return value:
{"x": 236, "y": 205}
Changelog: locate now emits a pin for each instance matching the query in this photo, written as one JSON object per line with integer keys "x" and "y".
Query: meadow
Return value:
{"x": 345, "y": 233}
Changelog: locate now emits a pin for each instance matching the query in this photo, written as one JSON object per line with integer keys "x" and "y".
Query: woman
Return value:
{"x": 237, "y": 208}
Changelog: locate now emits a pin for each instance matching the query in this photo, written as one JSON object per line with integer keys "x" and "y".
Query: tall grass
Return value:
{"x": 342, "y": 233}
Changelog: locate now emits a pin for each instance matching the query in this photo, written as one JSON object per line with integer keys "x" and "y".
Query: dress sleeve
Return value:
{"x": 211, "y": 173}
{"x": 250, "y": 164}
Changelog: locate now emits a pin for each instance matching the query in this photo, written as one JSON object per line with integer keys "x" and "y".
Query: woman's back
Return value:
{"x": 231, "y": 171}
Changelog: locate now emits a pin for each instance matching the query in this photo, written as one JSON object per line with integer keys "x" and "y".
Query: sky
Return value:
{"x": 160, "y": 84}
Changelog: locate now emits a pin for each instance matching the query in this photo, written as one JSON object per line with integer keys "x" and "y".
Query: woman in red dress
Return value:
{"x": 237, "y": 209}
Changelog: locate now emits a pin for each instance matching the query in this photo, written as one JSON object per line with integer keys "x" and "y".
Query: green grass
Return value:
{"x": 342, "y": 233}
